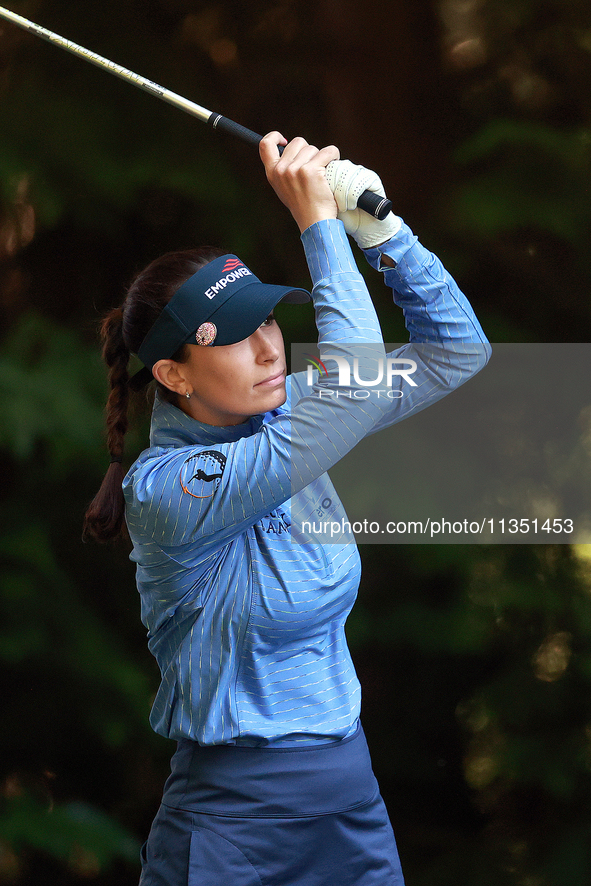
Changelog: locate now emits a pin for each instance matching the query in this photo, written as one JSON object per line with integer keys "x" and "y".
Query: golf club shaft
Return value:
{"x": 372, "y": 203}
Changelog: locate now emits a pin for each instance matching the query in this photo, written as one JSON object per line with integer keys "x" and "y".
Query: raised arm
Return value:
{"x": 447, "y": 343}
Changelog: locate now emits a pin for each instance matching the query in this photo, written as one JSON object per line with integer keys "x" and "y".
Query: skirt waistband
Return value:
{"x": 271, "y": 782}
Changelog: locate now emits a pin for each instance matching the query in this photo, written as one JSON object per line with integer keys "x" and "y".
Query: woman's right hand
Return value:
{"x": 298, "y": 177}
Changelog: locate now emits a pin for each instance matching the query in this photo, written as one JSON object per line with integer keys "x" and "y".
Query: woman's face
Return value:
{"x": 230, "y": 383}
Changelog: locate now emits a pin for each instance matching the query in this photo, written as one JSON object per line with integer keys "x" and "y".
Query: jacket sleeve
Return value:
{"x": 289, "y": 451}
{"x": 446, "y": 341}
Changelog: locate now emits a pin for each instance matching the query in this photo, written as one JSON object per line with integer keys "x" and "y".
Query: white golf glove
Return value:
{"x": 347, "y": 182}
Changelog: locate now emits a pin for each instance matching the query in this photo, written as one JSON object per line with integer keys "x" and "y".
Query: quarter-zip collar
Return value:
{"x": 172, "y": 427}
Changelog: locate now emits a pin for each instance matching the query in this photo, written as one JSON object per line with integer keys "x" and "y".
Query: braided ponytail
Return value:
{"x": 104, "y": 517}
{"x": 122, "y": 332}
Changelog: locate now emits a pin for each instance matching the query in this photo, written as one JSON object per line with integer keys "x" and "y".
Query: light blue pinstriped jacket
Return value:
{"x": 245, "y": 621}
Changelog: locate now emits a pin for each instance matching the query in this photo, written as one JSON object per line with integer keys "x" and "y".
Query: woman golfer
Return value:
{"x": 271, "y": 783}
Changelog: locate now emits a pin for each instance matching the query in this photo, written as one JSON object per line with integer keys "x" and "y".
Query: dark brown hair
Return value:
{"x": 122, "y": 332}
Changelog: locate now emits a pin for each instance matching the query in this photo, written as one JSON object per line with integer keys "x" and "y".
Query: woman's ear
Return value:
{"x": 167, "y": 373}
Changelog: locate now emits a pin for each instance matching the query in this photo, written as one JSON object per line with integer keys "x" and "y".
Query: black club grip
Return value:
{"x": 375, "y": 205}
{"x": 226, "y": 125}
{"x": 371, "y": 203}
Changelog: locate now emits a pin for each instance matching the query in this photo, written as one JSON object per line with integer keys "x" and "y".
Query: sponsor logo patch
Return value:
{"x": 236, "y": 270}
{"x": 201, "y": 474}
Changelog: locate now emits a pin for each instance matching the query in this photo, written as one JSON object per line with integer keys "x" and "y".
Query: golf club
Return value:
{"x": 374, "y": 204}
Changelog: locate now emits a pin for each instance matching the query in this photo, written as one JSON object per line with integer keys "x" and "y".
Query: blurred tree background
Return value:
{"x": 475, "y": 661}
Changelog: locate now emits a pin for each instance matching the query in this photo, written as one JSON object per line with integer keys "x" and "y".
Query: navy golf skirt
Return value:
{"x": 241, "y": 816}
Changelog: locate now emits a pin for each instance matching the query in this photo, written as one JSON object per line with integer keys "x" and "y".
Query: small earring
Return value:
{"x": 188, "y": 396}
